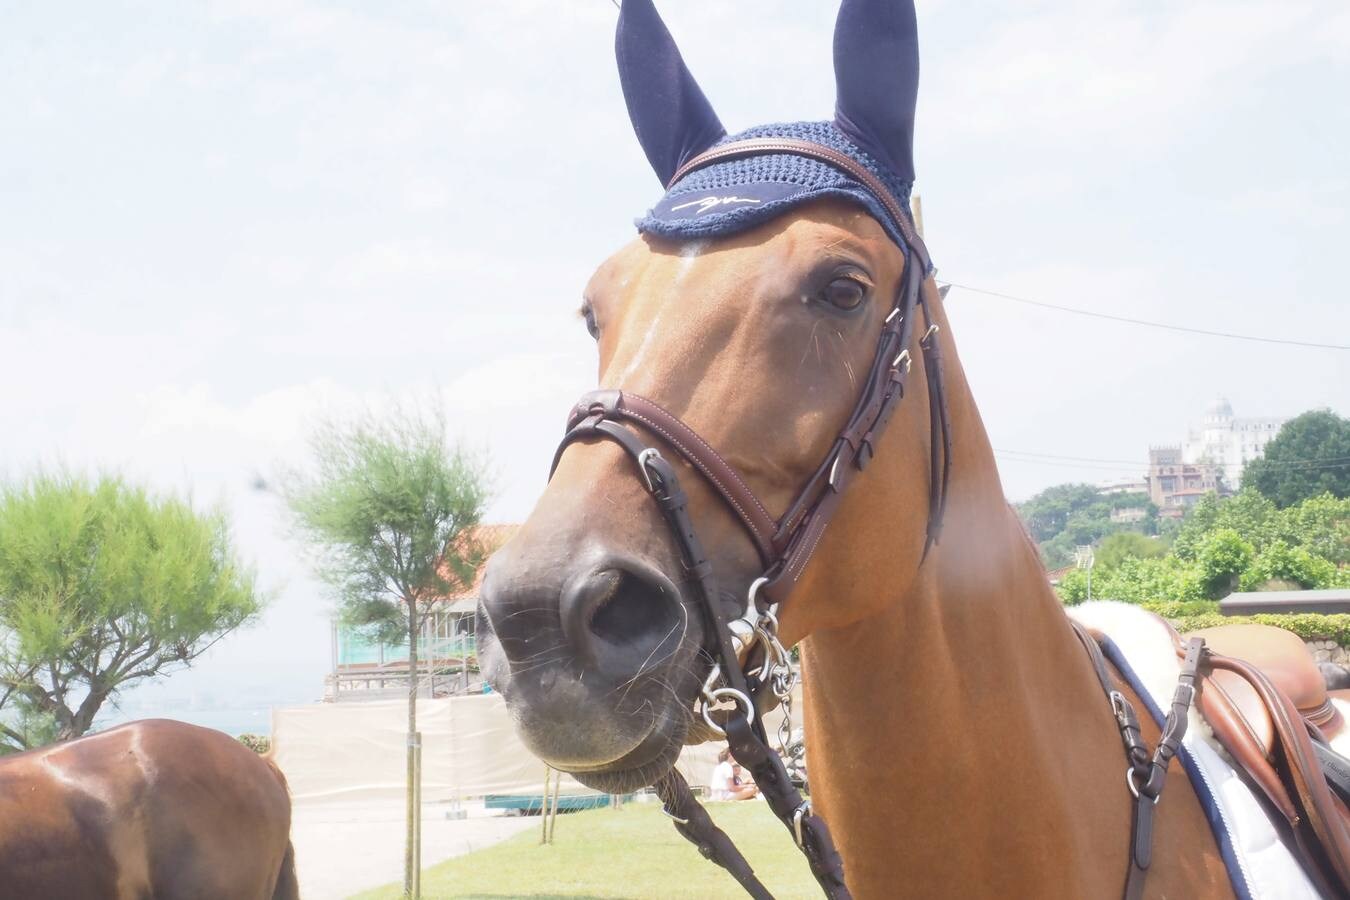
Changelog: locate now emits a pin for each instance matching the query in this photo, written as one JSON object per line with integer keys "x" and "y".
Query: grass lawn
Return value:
{"x": 633, "y": 852}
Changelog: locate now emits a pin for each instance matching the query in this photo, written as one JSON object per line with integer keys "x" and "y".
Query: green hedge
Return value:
{"x": 1309, "y": 626}
{"x": 1178, "y": 609}
{"x": 1192, "y": 615}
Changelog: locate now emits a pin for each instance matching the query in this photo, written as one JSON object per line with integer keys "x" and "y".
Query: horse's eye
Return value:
{"x": 588, "y": 313}
{"x": 845, "y": 293}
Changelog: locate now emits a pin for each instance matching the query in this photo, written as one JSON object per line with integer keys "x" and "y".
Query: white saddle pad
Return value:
{"x": 1266, "y": 869}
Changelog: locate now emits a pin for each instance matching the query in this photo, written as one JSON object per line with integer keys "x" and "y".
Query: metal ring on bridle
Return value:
{"x": 713, "y": 696}
{"x": 1134, "y": 787}
{"x": 753, "y": 592}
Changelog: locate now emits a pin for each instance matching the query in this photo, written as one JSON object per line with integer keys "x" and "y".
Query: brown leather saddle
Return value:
{"x": 1268, "y": 705}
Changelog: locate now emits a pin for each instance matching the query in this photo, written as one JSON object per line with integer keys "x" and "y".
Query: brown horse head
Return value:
{"x": 759, "y": 335}
{"x": 962, "y": 744}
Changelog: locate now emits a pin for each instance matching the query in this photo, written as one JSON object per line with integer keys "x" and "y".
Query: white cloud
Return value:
{"x": 1121, "y": 71}
{"x": 219, "y": 225}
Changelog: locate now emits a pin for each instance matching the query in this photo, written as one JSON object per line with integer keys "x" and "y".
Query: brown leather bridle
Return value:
{"x": 751, "y": 667}
{"x": 784, "y": 545}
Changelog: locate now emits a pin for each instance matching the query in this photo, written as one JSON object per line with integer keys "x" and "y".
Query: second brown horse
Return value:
{"x": 154, "y": 808}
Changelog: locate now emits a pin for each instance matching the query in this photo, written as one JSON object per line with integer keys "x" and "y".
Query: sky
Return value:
{"x": 222, "y": 222}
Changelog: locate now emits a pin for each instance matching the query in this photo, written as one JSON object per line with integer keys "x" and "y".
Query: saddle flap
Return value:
{"x": 1281, "y": 655}
{"x": 1242, "y": 725}
{"x": 1270, "y": 738}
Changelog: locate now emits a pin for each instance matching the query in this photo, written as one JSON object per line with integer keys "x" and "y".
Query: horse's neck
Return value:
{"x": 963, "y": 722}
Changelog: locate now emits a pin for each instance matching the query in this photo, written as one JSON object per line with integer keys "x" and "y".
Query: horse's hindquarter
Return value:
{"x": 154, "y": 808}
{"x": 60, "y": 835}
{"x": 217, "y": 816}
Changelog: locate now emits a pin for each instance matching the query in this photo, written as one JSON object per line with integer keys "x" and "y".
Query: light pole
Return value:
{"x": 1083, "y": 558}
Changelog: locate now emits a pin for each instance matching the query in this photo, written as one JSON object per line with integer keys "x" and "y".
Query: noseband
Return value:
{"x": 785, "y": 545}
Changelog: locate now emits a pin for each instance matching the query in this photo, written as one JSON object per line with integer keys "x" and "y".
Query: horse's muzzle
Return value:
{"x": 592, "y": 655}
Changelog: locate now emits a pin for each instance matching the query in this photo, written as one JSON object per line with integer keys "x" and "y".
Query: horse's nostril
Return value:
{"x": 621, "y": 620}
{"x": 631, "y": 610}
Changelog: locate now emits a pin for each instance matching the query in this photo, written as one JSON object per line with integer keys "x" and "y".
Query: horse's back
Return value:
{"x": 153, "y": 808}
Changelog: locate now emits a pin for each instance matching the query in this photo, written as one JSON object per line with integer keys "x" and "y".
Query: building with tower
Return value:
{"x": 1227, "y": 442}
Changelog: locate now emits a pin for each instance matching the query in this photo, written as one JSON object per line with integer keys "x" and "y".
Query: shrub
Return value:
{"x": 1122, "y": 545}
{"x": 1072, "y": 588}
{"x": 1280, "y": 562}
{"x": 1308, "y": 626}
{"x": 1135, "y": 580}
{"x": 1222, "y": 557}
{"x": 1151, "y": 580}
{"x": 1322, "y": 526}
{"x": 258, "y": 743}
{"x": 1178, "y": 609}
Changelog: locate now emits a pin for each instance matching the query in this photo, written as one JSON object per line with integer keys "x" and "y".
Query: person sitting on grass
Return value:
{"x": 728, "y": 783}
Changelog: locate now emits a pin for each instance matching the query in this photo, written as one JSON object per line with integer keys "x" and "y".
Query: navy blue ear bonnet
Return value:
{"x": 876, "y": 68}
{"x": 733, "y": 195}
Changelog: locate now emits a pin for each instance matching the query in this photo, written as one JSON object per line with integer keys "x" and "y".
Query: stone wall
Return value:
{"x": 1329, "y": 651}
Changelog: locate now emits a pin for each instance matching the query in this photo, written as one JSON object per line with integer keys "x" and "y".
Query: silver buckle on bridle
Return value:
{"x": 643, "y": 457}
{"x": 801, "y": 813}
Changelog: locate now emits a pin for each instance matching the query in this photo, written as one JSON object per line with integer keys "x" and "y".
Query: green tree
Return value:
{"x": 1249, "y": 513}
{"x": 1122, "y": 545}
{"x": 103, "y": 584}
{"x": 1135, "y": 580}
{"x": 1072, "y": 588}
{"x": 1222, "y": 558}
{"x": 390, "y": 507}
{"x": 1225, "y": 543}
{"x": 1280, "y": 562}
{"x": 1152, "y": 581}
{"x": 1320, "y": 524}
{"x": 1310, "y": 456}
{"x": 1047, "y": 513}
{"x": 1060, "y": 518}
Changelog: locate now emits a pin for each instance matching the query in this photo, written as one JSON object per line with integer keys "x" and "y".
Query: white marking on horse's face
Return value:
{"x": 635, "y": 364}
{"x": 688, "y": 254}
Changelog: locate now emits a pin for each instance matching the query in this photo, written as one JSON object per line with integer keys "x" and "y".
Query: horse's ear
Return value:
{"x": 673, "y": 120}
{"x": 876, "y": 73}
